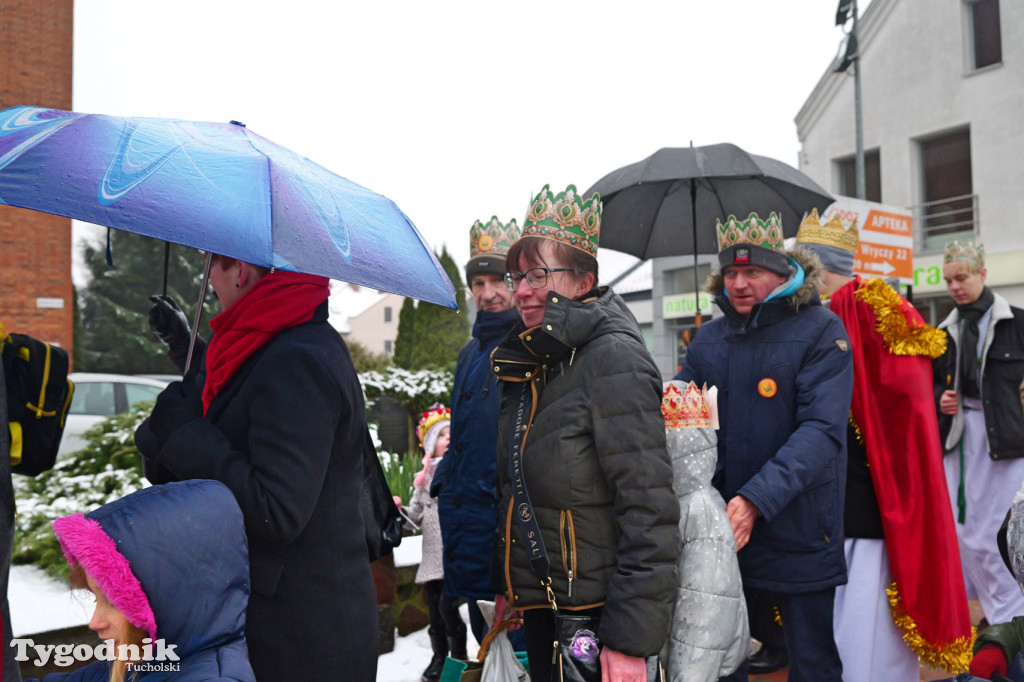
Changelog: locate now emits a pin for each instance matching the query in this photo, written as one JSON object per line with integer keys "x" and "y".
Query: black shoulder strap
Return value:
{"x": 525, "y": 518}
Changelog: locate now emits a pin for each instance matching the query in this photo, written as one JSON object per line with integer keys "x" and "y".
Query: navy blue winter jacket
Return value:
{"x": 785, "y": 376}
{"x": 185, "y": 543}
{"x": 465, "y": 479}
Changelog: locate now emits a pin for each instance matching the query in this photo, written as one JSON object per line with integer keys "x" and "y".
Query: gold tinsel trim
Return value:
{"x": 856, "y": 430}
{"x": 954, "y": 657}
{"x": 777, "y": 617}
{"x": 900, "y": 337}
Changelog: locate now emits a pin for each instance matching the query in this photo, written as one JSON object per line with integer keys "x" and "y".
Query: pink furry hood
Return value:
{"x": 85, "y": 544}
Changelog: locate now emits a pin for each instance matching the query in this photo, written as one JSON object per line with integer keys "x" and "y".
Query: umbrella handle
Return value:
{"x": 199, "y": 312}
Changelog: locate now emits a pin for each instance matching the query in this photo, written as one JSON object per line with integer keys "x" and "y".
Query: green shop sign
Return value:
{"x": 684, "y": 305}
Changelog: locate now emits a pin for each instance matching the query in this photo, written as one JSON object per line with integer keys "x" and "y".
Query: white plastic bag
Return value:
{"x": 501, "y": 664}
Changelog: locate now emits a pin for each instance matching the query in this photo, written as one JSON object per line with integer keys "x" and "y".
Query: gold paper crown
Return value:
{"x": 833, "y": 233}
{"x": 965, "y": 253}
{"x": 492, "y": 239}
{"x": 566, "y": 218}
{"x": 685, "y": 410}
{"x": 435, "y": 414}
{"x": 764, "y": 233}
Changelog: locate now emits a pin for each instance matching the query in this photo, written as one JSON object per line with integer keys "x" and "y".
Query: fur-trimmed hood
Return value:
{"x": 806, "y": 294}
{"x": 174, "y": 560}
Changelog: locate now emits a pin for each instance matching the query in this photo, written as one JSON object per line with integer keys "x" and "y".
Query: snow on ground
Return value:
{"x": 40, "y": 603}
{"x": 412, "y": 653}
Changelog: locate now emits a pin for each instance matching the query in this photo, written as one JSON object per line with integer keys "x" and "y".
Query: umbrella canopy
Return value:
{"x": 667, "y": 204}
{"x": 218, "y": 187}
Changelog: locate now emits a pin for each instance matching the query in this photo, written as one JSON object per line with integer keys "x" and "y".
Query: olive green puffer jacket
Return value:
{"x": 596, "y": 470}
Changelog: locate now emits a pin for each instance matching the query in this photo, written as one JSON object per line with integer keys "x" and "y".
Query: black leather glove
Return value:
{"x": 178, "y": 404}
{"x": 169, "y": 323}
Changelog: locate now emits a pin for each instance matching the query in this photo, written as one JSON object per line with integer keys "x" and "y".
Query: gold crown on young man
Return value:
{"x": 832, "y": 233}
{"x": 689, "y": 409}
{"x": 765, "y": 233}
{"x": 493, "y": 238}
{"x": 566, "y": 218}
{"x": 966, "y": 252}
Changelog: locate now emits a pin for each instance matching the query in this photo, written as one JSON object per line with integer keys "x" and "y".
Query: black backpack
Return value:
{"x": 38, "y": 396}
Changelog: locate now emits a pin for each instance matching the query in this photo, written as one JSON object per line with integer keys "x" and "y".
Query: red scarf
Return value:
{"x": 276, "y": 302}
{"x": 893, "y": 409}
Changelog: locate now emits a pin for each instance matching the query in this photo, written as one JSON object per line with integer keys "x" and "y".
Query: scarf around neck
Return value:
{"x": 970, "y": 363}
{"x": 276, "y": 302}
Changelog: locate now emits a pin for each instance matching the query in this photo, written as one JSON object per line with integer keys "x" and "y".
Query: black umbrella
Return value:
{"x": 667, "y": 204}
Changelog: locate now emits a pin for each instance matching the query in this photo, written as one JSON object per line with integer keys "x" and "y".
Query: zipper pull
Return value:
{"x": 570, "y": 583}
{"x": 554, "y": 652}
{"x": 572, "y": 356}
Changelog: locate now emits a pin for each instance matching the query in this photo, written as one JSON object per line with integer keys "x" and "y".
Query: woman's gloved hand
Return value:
{"x": 989, "y": 660}
{"x": 180, "y": 402}
{"x": 169, "y": 323}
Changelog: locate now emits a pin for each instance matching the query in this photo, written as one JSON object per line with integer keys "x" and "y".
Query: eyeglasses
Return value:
{"x": 537, "y": 278}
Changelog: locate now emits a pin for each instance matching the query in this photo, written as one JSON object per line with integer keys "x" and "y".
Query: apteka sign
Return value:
{"x": 886, "y": 246}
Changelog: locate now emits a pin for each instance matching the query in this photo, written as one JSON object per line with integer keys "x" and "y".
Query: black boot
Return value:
{"x": 457, "y": 643}
{"x": 440, "y": 646}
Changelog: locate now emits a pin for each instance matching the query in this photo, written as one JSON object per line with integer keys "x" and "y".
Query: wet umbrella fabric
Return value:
{"x": 667, "y": 204}
{"x": 218, "y": 187}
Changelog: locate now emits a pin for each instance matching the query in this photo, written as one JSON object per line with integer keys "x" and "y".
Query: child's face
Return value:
{"x": 107, "y": 621}
{"x": 441, "y": 446}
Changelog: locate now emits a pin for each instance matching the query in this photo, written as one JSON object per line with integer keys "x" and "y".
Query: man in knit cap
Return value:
{"x": 784, "y": 372}
{"x": 905, "y": 597}
{"x": 464, "y": 482}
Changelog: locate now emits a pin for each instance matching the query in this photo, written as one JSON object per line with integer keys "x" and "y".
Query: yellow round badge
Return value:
{"x": 485, "y": 243}
{"x": 767, "y": 388}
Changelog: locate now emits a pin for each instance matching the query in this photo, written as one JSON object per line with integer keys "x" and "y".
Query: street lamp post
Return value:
{"x": 849, "y": 54}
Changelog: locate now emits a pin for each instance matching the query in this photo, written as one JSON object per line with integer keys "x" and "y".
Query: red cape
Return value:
{"x": 894, "y": 411}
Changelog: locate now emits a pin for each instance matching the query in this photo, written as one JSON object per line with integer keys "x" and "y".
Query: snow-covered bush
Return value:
{"x": 108, "y": 468}
{"x": 416, "y": 391}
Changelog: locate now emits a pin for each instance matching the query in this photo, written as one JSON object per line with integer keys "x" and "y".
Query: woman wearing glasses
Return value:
{"x": 581, "y": 453}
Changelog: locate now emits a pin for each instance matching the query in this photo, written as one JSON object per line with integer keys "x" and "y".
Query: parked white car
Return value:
{"x": 98, "y": 396}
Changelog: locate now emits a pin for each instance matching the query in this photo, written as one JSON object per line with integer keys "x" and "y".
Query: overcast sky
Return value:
{"x": 458, "y": 111}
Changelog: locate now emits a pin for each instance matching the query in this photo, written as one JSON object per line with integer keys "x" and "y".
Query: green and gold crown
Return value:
{"x": 492, "y": 239}
{"x": 965, "y": 253}
{"x": 764, "y": 233}
{"x": 832, "y": 233}
{"x": 565, "y": 217}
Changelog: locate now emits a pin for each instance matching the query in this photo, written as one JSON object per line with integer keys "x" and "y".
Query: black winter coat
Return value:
{"x": 1002, "y": 371}
{"x": 597, "y": 470}
{"x": 285, "y": 435}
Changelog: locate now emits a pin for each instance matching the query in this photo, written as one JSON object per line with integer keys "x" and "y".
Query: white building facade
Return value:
{"x": 943, "y": 131}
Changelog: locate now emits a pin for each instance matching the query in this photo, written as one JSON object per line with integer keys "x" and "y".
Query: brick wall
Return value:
{"x": 35, "y": 248}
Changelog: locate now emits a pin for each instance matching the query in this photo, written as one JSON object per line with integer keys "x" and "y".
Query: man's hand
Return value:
{"x": 618, "y": 667}
{"x": 947, "y": 403}
{"x": 742, "y": 514}
{"x": 500, "y": 609}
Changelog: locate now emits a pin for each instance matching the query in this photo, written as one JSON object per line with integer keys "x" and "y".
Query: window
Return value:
{"x": 387, "y": 345}
{"x": 872, "y": 176}
{"x": 140, "y": 393}
{"x": 387, "y": 313}
{"x": 948, "y": 209}
{"x": 94, "y": 398}
{"x": 984, "y": 35}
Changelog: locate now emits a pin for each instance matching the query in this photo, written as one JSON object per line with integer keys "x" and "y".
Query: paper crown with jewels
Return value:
{"x": 833, "y": 233}
{"x": 764, "y": 233}
{"x": 966, "y": 252}
{"x": 688, "y": 409}
{"x": 566, "y": 218}
{"x": 492, "y": 238}
{"x": 431, "y": 424}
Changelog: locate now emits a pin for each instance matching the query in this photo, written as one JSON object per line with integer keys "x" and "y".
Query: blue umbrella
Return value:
{"x": 218, "y": 187}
